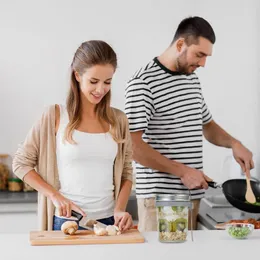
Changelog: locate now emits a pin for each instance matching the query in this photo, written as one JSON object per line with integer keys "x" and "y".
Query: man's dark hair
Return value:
{"x": 192, "y": 28}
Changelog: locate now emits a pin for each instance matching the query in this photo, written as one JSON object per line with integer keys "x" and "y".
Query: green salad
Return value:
{"x": 239, "y": 232}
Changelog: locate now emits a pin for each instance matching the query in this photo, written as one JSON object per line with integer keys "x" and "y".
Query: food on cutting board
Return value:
{"x": 110, "y": 230}
{"x": 69, "y": 227}
{"x": 99, "y": 231}
{"x": 113, "y": 230}
{"x": 246, "y": 221}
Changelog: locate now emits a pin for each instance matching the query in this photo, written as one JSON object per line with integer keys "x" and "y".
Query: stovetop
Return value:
{"x": 221, "y": 217}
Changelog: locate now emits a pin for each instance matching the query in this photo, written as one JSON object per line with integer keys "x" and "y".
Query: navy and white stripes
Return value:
{"x": 170, "y": 110}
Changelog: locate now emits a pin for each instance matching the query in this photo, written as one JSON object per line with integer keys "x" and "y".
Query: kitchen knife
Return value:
{"x": 85, "y": 222}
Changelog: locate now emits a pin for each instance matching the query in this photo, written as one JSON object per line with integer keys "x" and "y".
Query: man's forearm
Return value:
{"x": 149, "y": 157}
{"x": 218, "y": 136}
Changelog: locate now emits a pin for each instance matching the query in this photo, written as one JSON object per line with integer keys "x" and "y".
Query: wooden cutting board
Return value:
{"x": 82, "y": 237}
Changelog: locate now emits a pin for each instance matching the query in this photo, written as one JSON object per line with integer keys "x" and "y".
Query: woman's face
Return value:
{"x": 95, "y": 83}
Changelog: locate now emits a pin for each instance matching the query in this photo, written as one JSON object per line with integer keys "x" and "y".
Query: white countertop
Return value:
{"x": 207, "y": 244}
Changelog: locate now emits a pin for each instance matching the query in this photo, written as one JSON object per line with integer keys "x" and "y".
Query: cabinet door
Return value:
{"x": 201, "y": 227}
{"x": 18, "y": 222}
{"x": 18, "y": 218}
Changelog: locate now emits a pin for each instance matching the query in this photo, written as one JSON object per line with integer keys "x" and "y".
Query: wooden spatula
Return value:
{"x": 250, "y": 197}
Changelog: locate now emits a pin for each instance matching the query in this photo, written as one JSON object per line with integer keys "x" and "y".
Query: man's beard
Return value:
{"x": 182, "y": 65}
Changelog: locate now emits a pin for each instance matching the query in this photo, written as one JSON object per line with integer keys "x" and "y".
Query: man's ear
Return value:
{"x": 77, "y": 76}
{"x": 179, "y": 44}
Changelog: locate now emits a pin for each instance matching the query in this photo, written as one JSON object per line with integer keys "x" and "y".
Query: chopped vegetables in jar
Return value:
{"x": 172, "y": 224}
{"x": 173, "y": 236}
{"x": 172, "y": 217}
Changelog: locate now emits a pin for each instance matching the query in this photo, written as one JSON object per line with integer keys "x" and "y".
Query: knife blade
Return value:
{"x": 86, "y": 222}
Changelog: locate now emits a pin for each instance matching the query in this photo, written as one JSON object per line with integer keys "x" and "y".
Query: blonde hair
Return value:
{"x": 89, "y": 54}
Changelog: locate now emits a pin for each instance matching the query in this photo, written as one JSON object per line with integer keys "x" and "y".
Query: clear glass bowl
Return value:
{"x": 239, "y": 230}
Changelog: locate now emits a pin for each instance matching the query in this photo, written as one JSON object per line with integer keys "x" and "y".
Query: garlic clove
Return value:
{"x": 99, "y": 231}
{"x": 111, "y": 230}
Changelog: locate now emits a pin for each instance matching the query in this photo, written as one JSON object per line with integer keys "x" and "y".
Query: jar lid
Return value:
{"x": 15, "y": 179}
{"x": 173, "y": 197}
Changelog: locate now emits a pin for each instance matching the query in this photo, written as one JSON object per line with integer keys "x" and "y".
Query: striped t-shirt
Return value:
{"x": 170, "y": 109}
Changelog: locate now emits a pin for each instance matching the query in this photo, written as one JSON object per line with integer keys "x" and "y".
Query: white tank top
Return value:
{"x": 86, "y": 169}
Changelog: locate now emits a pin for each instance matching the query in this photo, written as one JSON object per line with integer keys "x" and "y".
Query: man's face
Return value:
{"x": 193, "y": 56}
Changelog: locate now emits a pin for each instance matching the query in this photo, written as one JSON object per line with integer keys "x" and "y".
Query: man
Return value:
{"x": 168, "y": 117}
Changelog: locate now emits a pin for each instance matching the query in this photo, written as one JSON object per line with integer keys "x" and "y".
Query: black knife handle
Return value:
{"x": 212, "y": 184}
{"x": 76, "y": 214}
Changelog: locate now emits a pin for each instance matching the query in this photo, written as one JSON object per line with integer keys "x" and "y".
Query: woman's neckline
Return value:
{"x": 98, "y": 133}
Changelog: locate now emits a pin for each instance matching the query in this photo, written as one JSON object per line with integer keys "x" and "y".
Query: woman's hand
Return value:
{"x": 123, "y": 220}
{"x": 64, "y": 205}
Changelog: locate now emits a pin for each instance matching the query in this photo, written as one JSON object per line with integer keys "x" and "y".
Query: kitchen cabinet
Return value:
{"x": 200, "y": 226}
{"x": 18, "y": 217}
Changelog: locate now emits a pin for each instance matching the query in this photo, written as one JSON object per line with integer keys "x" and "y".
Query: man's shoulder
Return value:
{"x": 141, "y": 73}
{"x": 194, "y": 76}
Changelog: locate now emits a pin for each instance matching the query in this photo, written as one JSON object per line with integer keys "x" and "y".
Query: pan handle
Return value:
{"x": 213, "y": 184}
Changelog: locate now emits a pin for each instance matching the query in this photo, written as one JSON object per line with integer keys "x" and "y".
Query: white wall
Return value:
{"x": 39, "y": 38}
{"x": 258, "y": 76}
{"x": 230, "y": 80}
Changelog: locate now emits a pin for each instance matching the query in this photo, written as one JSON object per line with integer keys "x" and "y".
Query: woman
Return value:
{"x": 81, "y": 151}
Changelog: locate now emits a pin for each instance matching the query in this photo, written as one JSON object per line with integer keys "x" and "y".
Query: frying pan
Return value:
{"x": 235, "y": 191}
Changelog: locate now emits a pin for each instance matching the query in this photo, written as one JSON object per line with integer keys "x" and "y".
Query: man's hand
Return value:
{"x": 193, "y": 178}
{"x": 243, "y": 156}
{"x": 207, "y": 178}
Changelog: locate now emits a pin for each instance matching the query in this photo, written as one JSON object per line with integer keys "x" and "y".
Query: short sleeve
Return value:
{"x": 206, "y": 115}
{"x": 139, "y": 106}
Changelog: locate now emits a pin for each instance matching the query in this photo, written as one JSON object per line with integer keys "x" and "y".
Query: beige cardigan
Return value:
{"x": 38, "y": 152}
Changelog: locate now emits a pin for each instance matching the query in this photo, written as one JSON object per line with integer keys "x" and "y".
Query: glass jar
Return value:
{"x": 15, "y": 184}
{"x": 172, "y": 216}
{"x": 4, "y": 172}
